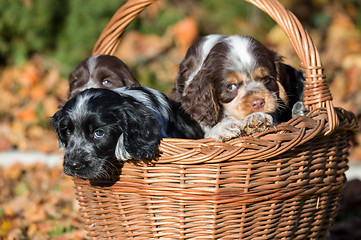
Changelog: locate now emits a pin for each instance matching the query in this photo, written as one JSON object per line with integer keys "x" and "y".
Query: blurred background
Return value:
{"x": 42, "y": 41}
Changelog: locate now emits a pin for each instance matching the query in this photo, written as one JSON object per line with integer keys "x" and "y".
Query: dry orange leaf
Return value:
{"x": 32, "y": 230}
{"x": 14, "y": 171}
{"x": 186, "y": 32}
{"x": 27, "y": 115}
{"x": 136, "y": 45}
{"x": 38, "y": 93}
{"x": 30, "y": 75}
{"x": 4, "y": 144}
{"x": 46, "y": 142}
{"x": 35, "y": 213}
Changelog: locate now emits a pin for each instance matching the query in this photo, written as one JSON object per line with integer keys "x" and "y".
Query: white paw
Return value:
{"x": 225, "y": 130}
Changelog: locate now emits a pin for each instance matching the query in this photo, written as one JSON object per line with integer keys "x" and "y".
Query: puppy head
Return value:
{"x": 240, "y": 76}
{"x": 98, "y": 126}
{"x": 100, "y": 71}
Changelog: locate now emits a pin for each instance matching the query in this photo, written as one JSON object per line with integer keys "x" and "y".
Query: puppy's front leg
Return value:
{"x": 225, "y": 130}
{"x": 257, "y": 122}
{"x": 230, "y": 128}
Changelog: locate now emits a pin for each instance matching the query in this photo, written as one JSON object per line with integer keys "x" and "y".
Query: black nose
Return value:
{"x": 70, "y": 163}
{"x": 258, "y": 104}
{"x": 74, "y": 165}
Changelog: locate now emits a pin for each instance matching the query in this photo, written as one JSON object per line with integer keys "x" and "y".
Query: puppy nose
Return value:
{"x": 258, "y": 104}
{"x": 74, "y": 165}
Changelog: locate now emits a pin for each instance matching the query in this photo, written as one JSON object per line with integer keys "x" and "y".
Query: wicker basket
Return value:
{"x": 282, "y": 184}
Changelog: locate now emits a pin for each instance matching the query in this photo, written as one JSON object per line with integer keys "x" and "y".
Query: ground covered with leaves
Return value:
{"x": 38, "y": 202}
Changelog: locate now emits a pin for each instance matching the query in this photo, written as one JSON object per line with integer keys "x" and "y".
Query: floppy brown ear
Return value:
{"x": 199, "y": 100}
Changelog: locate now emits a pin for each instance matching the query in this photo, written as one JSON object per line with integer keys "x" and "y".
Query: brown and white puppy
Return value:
{"x": 241, "y": 88}
{"x": 100, "y": 71}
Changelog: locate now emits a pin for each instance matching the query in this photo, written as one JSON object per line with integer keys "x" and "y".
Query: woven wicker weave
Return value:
{"x": 282, "y": 184}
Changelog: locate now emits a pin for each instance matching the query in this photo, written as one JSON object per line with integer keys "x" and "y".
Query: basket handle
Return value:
{"x": 316, "y": 91}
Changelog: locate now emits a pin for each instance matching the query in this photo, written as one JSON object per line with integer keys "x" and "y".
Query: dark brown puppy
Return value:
{"x": 100, "y": 71}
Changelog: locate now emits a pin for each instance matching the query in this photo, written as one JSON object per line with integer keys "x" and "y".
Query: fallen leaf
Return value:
{"x": 26, "y": 114}
{"x": 32, "y": 230}
{"x": 4, "y": 144}
{"x": 186, "y": 31}
{"x": 38, "y": 93}
{"x": 5, "y": 226}
{"x": 135, "y": 46}
{"x": 35, "y": 213}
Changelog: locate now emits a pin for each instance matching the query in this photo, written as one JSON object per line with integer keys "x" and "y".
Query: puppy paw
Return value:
{"x": 225, "y": 130}
{"x": 299, "y": 109}
{"x": 257, "y": 122}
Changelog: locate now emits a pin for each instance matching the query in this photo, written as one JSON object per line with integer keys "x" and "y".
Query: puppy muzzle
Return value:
{"x": 80, "y": 164}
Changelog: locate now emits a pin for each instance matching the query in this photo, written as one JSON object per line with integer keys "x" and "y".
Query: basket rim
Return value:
{"x": 258, "y": 147}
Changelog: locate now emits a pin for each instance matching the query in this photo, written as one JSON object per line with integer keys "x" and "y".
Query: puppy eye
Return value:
{"x": 68, "y": 132}
{"x": 267, "y": 79}
{"x": 98, "y": 134}
{"x": 231, "y": 87}
{"x": 106, "y": 82}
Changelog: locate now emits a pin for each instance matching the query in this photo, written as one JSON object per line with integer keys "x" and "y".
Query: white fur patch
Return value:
{"x": 241, "y": 58}
{"x": 80, "y": 109}
{"x": 254, "y": 86}
{"x": 143, "y": 97}
{"x": 120, "y": 152}
{"x": 92, "y": 63}
{"x": 90, "y": 84}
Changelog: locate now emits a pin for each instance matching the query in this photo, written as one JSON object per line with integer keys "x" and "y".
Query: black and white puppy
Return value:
{"x": 99, "y": 126}
{"x": 100, "y": 71}
{"x": 241, "y": 87}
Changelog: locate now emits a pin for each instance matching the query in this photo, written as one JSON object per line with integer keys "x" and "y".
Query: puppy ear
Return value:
{"x": 283, "y": 80}
{"x": 78, "y": 78}
{"x": 56, "y": 124}
{"x": 141, "y": 132}
{"x": 282, "y": 93}
{"x": 290, "y": 82}
{"x": 296, "y": 80}
{"x": 199, "y": 99}
{"x": 72, "y": 81}
{"x": 127, "y": 75}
